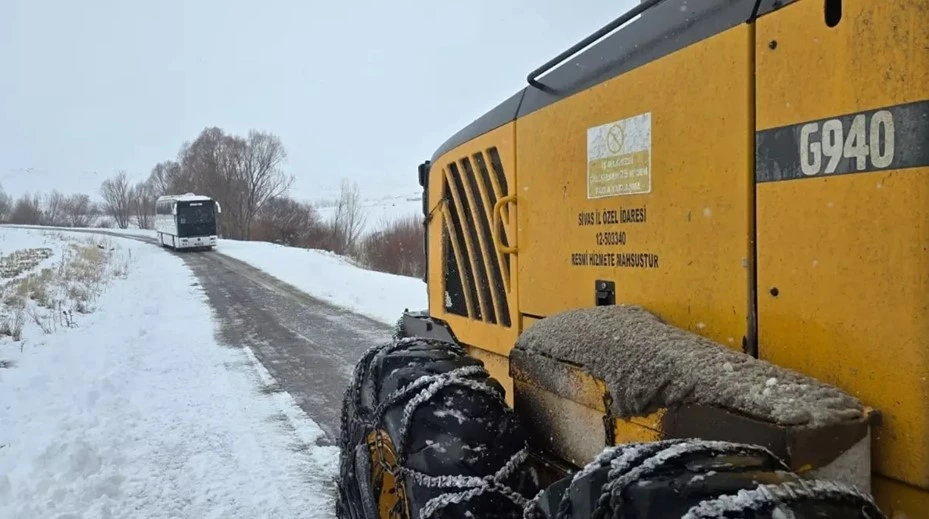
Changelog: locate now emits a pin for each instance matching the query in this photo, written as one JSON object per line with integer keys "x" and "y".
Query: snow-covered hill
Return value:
{"x": 379, "y": 207}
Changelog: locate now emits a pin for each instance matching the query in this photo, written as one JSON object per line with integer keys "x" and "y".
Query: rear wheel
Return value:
{"x": 426, "y": 433}
{"x": 696, "y": 479}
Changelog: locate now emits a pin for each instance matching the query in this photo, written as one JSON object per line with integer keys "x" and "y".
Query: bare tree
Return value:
{"x": 116, "y": 199}
{"x": 226, "y": 183}
{"x": 211, "y": 165}
{"x": 261, "y": 174}
{"x": 286, "y": 221}
{"x": 165, "y": 178}
{"x": 6, "y": 205}
{"x": 242, "y": 173}
{"x": 78, "y": 210}
{"x": 27, "y": 210}
{"x": 348, "y": 220}
{"x": 142, "y": 200}
{"x": 396, "y": 248}
{"x": 200, "y": 164}
{"x": 53, "y": 208}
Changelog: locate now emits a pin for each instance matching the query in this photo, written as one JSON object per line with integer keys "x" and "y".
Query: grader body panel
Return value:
{"x": 842, "y": 187}
{"x": 712, "y": 223}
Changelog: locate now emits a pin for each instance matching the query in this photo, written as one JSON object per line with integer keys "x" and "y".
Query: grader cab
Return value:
{"x": 684, "y": 272}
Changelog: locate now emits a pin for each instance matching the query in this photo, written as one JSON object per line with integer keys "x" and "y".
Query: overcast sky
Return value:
{"x": 357, "y": 89}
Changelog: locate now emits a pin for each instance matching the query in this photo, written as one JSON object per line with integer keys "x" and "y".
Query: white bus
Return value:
{"x": 186, "y": 221}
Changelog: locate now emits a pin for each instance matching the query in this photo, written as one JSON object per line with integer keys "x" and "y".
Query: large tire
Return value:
{"x": 426, "y": 433}
{"x": 696, "y": 479}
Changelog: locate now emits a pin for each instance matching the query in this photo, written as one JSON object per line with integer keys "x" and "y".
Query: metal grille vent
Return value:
{"x": 477, "y": 275}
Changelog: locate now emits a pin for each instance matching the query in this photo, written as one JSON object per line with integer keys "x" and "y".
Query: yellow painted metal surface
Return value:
{"x": 528, "y": 321}
{"x": 899, "y": 501}
{"x": 843, "y": 259}
{"x": 474, "y": 184}
{"x": 389, "y": 492}
{"x": 644, "y": 429}
{"x": 680, "y": 249}
{"x": 499, "y": 368}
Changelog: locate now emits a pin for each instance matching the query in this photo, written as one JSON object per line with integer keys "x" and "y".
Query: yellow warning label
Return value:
{"x": 619, "y": 157}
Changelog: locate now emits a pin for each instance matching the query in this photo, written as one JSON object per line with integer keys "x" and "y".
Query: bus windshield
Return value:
{"x": 195, "y": 214}
{"x": 196, "y": 218}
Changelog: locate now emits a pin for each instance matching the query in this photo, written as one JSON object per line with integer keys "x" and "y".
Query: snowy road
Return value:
{"x": 308, "y": 346}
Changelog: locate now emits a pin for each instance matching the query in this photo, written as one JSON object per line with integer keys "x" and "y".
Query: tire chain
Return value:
{"x": 635, "y": 461}
{"x": 771, "y": 496}
{"x": 427, "y": 386}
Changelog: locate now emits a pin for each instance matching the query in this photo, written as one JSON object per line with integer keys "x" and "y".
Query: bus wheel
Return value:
{"x": 426, "y": 432}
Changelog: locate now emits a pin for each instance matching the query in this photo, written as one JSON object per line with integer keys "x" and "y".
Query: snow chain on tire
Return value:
{"x": 696, "y": 479}
{"x": 426, "y": 432}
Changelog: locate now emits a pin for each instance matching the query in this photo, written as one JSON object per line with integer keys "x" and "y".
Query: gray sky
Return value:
{"x": 363, "y": 90}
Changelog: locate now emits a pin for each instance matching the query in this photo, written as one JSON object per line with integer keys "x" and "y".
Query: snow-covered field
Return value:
{"x": 133, "y": 409}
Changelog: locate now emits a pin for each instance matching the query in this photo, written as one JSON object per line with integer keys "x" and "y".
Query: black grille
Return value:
{"x": 476, "y": 274}
{"x": 196, "y": 229}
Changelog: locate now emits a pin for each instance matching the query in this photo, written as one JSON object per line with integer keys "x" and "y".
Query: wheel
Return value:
{"x": 426, "y": 433}
{"x": 696, "y": 479}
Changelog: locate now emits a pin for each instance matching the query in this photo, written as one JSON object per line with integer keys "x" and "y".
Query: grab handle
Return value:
{"x": 497, "y": 223}
{"x": 581, "y": 45}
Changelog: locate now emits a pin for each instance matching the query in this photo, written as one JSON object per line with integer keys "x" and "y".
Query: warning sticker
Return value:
{"x": 619, "y": 157}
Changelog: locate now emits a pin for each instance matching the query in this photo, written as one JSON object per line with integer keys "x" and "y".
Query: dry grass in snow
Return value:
{"x": 50, "y": 288}
{"x": 14, "y": 264}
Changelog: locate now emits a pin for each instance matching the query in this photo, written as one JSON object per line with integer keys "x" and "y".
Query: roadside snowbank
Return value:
{"x": 333, "y": 278}
{"x": 329, "y": 277}
{"x": 138, "y": 412}
{"x": 72, "y": 231}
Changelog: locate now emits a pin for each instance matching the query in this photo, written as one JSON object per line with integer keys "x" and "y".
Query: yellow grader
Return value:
{"x": 684, "y": 272}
